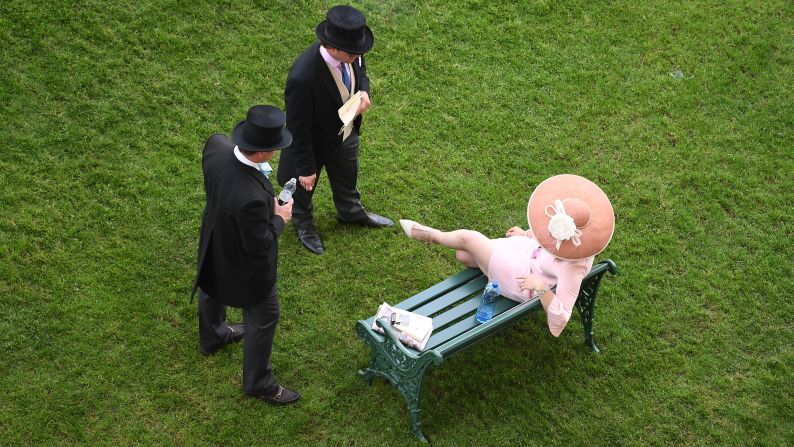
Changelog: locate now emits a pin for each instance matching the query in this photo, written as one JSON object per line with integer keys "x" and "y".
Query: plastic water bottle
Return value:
{"x": 286, "y": 193}
{"x": 485, "y": 309}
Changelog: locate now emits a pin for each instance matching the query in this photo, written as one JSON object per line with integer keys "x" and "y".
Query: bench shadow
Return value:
{"x": 523, "y": 363}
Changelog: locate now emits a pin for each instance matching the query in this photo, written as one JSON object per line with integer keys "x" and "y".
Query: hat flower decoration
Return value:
{"x": 561, "y": 225}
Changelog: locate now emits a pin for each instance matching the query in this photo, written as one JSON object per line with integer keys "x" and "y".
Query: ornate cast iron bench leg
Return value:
{"x": 402, "y": 368}
{"x": 585, "y": 303}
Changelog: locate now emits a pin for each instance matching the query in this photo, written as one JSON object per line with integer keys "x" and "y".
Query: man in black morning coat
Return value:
{"x": 238, "y": 248}
{"x": 320, "y": 81}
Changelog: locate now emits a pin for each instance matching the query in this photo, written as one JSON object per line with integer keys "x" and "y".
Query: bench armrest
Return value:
{"x": 389, "y": 333}
{"x": 390, "y": 346}
{"x": 611, "y": 266}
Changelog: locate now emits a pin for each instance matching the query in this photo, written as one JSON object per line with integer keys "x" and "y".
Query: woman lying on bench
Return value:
{"x": 571, "y": 220}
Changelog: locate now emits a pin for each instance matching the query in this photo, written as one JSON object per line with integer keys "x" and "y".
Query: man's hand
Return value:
{"x": 285, "y": 210}
{"x": 308, "y": 181}
{"x": 365, "y": 103}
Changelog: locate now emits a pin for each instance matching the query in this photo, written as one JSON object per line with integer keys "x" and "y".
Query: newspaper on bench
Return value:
{"x": 413, "y": 330}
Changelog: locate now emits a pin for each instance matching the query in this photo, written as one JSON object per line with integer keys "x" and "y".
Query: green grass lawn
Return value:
{"x": 105, "y": 107}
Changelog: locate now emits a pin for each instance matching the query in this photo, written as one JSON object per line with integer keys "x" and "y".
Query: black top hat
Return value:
{"x": 346, "y": 28}
{"x": 263, "y": 130}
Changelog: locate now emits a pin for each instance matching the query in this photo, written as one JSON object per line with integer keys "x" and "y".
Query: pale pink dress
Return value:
{"x": 520, "y": 256}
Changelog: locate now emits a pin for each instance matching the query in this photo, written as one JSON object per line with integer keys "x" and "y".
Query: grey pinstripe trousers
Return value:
{"x": 260, "y": 323}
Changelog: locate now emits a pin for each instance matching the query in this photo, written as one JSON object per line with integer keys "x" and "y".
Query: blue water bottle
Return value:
{"x": 485, "y": 309}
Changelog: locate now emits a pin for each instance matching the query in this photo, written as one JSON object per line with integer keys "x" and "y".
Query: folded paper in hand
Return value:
{"x": 413, "y": 330}
{"x": 347, "y": 113}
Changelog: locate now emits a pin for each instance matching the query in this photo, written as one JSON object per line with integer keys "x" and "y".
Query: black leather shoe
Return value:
{"x": 282, "y": 396}
{"x": 371, "y": 220}
{"x": 309, "y": 237}
{"x": 237, "y": 331}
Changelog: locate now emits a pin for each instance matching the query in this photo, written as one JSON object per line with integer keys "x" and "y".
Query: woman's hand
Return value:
{"x": 530, "y": 283}
{"x": 515, "y": 231}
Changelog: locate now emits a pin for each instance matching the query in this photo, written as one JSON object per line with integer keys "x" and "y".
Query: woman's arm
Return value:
{"x": 559, "y": 305}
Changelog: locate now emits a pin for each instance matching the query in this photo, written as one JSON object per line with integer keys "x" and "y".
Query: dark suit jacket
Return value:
{"x": 312, "y": 100}
{"x": 238, "y": 246}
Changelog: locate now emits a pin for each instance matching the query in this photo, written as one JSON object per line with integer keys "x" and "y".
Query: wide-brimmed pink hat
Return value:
{"x": 571, "y": 217}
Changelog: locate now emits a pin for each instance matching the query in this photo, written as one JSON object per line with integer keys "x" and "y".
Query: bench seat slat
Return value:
{"x": 444, "y": 286}
{"x": 469, "y": 306}
{"x": 450, "y": 285}
{"x": 451, "y": 297}
{"x": 439, "y": 338}
{"x": 478, "y": 332}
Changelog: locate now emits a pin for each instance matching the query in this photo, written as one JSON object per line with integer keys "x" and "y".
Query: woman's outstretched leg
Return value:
{"x": 475, "y": 246}
{"x": 465, "y": 258}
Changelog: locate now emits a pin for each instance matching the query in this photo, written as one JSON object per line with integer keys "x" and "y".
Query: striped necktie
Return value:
{"x": 345, "y": 76}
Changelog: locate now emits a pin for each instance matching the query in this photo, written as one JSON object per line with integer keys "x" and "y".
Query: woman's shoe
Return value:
{"x": 415, "y": 230}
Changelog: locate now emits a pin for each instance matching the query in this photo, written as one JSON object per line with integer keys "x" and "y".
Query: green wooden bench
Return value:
{"x": 452, "y": 304}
